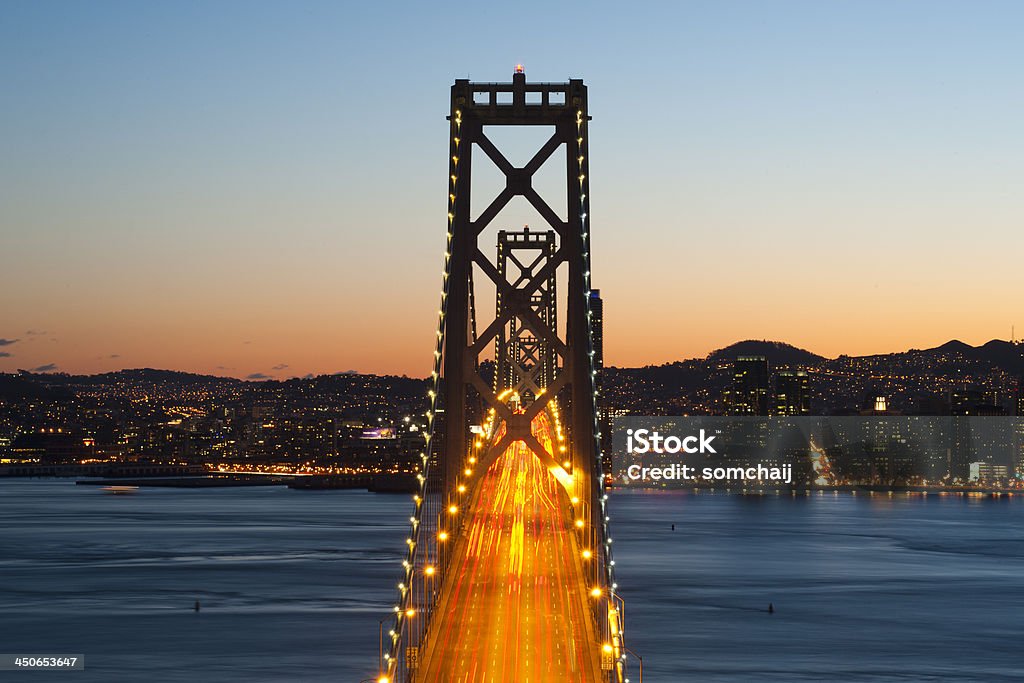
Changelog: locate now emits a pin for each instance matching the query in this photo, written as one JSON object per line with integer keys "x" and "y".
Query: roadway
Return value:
{"x": 514, "y": 604}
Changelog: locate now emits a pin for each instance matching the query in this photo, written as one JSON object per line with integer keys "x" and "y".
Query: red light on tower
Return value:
{"x": 519, "y": 69}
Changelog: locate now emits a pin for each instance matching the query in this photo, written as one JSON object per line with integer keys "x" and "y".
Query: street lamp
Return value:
{"x": 639, "y": 659}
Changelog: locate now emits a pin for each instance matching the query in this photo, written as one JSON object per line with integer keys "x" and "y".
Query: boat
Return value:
{"x": 120, "y": 490}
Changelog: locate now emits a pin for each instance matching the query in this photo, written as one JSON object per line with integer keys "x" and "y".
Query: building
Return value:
{"x": 975, "y": 402}
{"x": 749, "y": 392}
{"x": 597, "y": 339}
{"x": 792, "y": 393}
{"x": 984, "y": 472}
{"x": 597, "y": 329}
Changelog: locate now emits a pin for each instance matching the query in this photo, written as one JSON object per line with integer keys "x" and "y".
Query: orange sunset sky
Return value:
{"x": 264, "y": 195}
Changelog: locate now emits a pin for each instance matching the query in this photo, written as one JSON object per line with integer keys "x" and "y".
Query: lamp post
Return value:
{"x": 639, "y": 659}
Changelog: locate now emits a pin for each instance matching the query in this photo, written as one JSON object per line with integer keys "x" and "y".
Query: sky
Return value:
{"x": 257, "y": 188}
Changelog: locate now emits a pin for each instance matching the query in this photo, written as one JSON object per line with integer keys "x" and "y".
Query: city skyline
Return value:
{"x": 219, "y": 195}
{"x": 283, "y": 373}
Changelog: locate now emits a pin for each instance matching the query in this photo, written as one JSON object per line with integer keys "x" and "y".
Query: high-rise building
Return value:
{"x": 792, "y": 393}
{"x": 964, "y": 401}
{"x": 597, "y": 329}
{"x": 597, "y": 339}
{"x": 748, "y": 394}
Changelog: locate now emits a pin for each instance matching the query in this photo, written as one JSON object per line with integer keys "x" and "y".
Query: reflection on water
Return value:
{"x": 292, "y": 584}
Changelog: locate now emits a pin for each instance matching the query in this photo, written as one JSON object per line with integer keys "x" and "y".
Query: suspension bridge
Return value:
{"x": 508, "y": 572}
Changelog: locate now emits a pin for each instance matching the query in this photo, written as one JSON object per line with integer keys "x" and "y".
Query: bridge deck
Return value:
{"x": 514, "y": 605}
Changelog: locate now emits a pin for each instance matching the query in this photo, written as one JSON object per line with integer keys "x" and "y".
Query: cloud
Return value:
{"x": 258, "y": 375}
{"x": 308, "y": 375}
{"x": 4, "y": 354}
{"x": 114, "y": 355}
{"x": 347, "y": 372}
{"x": 36, "y": 333}
{"x": 280, "y": 366}
{"x": 8, "y": 342}
{"x": 49, "y": 367}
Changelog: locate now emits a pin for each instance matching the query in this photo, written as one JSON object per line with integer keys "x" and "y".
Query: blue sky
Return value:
{"x": 229, "y": 186}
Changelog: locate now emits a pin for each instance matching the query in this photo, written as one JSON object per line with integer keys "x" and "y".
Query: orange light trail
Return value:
{"x": 514, "y": 603}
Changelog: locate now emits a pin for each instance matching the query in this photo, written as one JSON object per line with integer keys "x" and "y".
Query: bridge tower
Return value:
{"x": 531, "y": 356}
{"x": 523, "y": 362}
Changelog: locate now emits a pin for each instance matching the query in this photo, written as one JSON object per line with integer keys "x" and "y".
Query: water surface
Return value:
{"x": 292, "y": 584}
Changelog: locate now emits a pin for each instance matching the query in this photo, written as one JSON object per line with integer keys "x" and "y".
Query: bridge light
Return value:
{"x": 442, "y": 536}
{"x": 579, "y": 523}
{"x": 595, "y": 592}
{"x": 607, "y": 647}
{"x": 462, "y": 488}
{"x": 566, "y": 464}
{"x": 519, "y": 69}
{"x": 587, "y": 554}
{"x": 383, "y": 679}
{"x": 472, "y": 460}
{"x": 575, "y": 500}
{"x": 452, "y": 509}
{"x": 429, "y": 571}
{"x": 410, "y": 612}
{"x": 468, "y": 472}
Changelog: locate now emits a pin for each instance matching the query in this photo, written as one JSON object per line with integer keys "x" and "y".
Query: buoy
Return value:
{"x": 771, "y": 608}
{"x": 197, "y": 605}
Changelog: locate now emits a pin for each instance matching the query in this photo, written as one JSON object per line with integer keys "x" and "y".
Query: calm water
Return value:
{"x": 293, "y": 584}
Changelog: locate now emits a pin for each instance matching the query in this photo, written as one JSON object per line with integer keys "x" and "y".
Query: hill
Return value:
{"x": 777, "y": 353}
